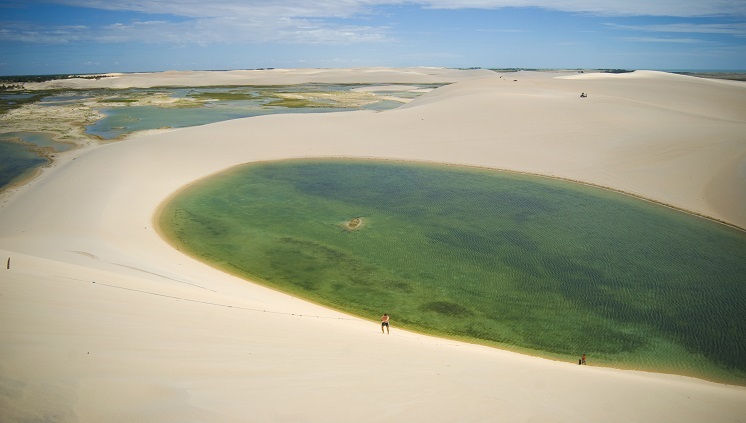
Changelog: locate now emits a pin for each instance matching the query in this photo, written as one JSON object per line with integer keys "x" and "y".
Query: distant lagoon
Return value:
{"x": 122, "y": 121}
{"x": 241, "y": 102}
{"x": 127, "y": 117}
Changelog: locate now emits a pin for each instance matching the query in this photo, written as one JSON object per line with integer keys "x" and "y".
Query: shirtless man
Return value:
{"x": 385, "y": 323}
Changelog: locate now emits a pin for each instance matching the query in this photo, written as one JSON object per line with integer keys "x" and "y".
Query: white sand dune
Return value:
{"x": 102, "y": 320}
{"x": 420, "y": 75}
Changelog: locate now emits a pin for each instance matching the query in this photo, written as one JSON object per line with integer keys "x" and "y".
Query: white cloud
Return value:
{"x": 201, "y": 31}
{"x": 323, "y": 21}
{"x": 347, "y": 8}
{"x": 253, "y": 9}
{"x": 664, "y": 40}
{"x": 204, "y": 22}
{"x": 737, "y": 29}
{"x": 678, "y": 8}
{"x": 501, "y": 30}
{"x": 21, "y": 32}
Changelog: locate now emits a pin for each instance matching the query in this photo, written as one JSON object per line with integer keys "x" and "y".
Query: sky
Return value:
{"x": 94, "y": 36}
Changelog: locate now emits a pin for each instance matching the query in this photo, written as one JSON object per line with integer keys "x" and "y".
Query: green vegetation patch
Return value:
{"x": 15, "y": 99}
{"x": 296, "y": 103}
{"x": 222, "y": 96}
{"x": 119, "y": 100}
{"x": 528, "y": 263}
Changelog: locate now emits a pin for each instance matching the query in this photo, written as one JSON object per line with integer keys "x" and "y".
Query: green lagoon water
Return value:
{"x": 532, "y": 264}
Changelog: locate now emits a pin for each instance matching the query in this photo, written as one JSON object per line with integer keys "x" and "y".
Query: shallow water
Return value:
{"x": 39, "y": 139}
{"x": 231, "y": 103}
{"x": 17, "y": 161}
{"x": 528, "y": 263}
{"x": 223, "y": 103}
{"x": 120, "y": 121}
{"x": 12, "y": 97}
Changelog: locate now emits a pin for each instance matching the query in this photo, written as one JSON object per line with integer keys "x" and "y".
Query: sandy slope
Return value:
{"x": 103, "y": 321}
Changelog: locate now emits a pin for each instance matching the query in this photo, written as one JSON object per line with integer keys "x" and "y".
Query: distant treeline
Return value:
{"x": 42, "y": 78}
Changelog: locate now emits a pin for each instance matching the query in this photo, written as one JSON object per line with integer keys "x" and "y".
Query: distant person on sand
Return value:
{"x": 385, "y": 323}
{"x": 582, "y": 359}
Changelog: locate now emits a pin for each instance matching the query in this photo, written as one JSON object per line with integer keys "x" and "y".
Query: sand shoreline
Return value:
{"x": 75, "y": 350}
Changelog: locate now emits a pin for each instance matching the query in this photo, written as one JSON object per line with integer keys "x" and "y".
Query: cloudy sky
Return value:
{"x": 88, "y": 36}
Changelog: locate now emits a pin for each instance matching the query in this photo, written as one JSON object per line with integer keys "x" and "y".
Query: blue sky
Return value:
{"x": 89, "y": 36}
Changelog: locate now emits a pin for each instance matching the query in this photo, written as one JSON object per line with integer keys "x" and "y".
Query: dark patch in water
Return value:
{"x": 448, "y": 308}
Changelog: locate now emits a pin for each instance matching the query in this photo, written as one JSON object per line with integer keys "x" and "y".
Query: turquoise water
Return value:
{"x": 527, "y": 263}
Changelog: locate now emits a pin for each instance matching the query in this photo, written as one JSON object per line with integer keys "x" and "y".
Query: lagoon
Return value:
{"x": 35, "y": 140}
{"x": 527, "y": 263}
{"x": 123, "y": 121}
{"x": 23, "y": 152}
{"x": 18, "y": 160}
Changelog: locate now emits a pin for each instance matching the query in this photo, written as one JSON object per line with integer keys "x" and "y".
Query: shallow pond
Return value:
{"x": 20, "y": 159}
{"x": 17, "y": 161}
{"x": 38, "y": 139}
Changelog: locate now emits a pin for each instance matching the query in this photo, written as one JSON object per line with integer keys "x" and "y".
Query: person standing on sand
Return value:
{"x": 582, "y": 360}
{"x": 385, "y": 322}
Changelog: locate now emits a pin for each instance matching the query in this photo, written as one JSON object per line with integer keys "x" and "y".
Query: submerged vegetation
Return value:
{"x": 296, "y": 103}
{"x": 223, "y": 96}
{"x": 519, "y": 262}
{"x": 18, "y": 98}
